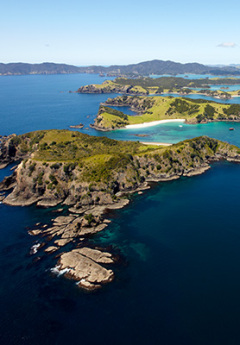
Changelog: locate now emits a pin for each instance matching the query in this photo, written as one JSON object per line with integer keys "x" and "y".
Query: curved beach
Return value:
{"x": 152, "y": 123}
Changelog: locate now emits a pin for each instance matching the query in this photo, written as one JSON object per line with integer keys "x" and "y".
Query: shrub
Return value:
{"x": 89, "y": 217}
{"x": 31, "y": 168}
{"x": 53, "y": 179}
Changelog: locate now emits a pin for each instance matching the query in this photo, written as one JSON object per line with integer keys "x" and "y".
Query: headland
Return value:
{"x": 90, "y": 175}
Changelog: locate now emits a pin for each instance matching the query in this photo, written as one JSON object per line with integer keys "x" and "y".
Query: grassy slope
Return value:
{"x": 71, "y": 164}
{"x": 163, "y": 109}
{"x": 67, "y": 147}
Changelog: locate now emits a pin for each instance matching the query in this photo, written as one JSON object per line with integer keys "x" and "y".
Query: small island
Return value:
{"x": 90, "y": 175}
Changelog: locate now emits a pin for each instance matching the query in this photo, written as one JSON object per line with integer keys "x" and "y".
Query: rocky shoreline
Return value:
{"x": 87, "y": 203}
{"x": 83, "y": 264}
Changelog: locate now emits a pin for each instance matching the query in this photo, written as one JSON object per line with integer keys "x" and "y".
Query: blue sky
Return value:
{"x": 108, "y": 32}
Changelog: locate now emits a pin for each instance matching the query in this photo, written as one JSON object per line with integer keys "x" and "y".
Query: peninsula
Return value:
{"x": 156, "y": 109}
{"x": 90, "y": 175}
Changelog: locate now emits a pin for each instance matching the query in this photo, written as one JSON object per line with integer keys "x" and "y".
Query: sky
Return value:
{"x": 119, "y": 32}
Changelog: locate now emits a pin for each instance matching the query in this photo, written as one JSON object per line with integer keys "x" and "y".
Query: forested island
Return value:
{"x": 149, "y": 86}
{"x": 90, "y": 175}
{"x": 155, "y": 108}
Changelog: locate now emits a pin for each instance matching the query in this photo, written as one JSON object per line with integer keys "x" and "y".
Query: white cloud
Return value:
{"x": 227, "y": 45}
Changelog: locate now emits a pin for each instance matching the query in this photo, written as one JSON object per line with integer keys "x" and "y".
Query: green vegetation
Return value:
{"x": 71, "y": 146}
{"x": 89, "y": 217}
{"x": 99, "y": 159}
{"x": 146, "y": 85}
{"x": 102, "y": 167}
{"x": 182, "y": 106}
{"x": 233, "y": 109}
{"x": 111, "y": 117}
{"x": 163, "y": 108}
{"x": 112, "y": 112}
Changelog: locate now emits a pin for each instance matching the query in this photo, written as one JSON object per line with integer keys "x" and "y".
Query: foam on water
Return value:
{"x": 34, "y": 248}
{"x": 56, "y": 270}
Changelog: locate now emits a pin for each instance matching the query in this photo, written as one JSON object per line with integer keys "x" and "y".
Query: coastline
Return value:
{"x": 87, "y": 204}
{"x": 152, "y": 123}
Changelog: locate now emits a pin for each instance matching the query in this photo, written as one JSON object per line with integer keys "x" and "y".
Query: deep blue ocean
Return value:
{"x": 178, "y": 279}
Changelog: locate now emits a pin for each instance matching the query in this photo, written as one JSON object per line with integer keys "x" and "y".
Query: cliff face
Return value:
{"x": 105, "y": 87}
{"x": 96, "y": 179}
{"x": 10, "y": 151}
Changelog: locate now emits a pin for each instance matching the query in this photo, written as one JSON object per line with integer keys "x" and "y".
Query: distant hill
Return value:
{"x": 140, "y": 69}
{"x": 43, "y": 68}
{"x": 159, "y": 67}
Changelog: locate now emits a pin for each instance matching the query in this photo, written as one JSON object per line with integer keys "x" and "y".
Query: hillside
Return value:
{"x": 162, "y": 108}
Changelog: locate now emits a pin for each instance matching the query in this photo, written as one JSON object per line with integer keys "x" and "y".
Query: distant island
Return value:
{"x": 154, "y": 110}
{"x": 150, "y": 86}
{"x": 91, "y": 175}
{"x": 146, "y": 68}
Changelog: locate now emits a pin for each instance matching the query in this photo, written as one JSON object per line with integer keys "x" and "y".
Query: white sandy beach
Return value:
{"x": 152, "y": 123}
{"x": 155, "y": 143}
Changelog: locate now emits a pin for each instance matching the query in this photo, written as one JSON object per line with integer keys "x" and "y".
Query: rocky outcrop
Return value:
{"x": 83, "y": 265}
{"x": 99, "y": 128}
{"x": 77, "y": 126}
{"x": 8, "y": 150}
{"x": 105, "y": 88}
{"x": 113, "y": 87}
{"x": 8, "y": 182}
{"x": 137, "y": 104}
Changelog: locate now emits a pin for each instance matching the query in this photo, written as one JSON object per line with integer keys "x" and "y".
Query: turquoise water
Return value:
{"x": 175, "y": 132}
{"x": 178, "y": 278}
{"x": 228, "y": 87}
{"x": 220, "y": 86}
{"x": 234, "y": 100}
{"x": 191, "y": 76}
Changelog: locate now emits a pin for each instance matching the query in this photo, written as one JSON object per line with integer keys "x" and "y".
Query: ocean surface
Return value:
{"x": 178, "y": 279}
